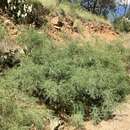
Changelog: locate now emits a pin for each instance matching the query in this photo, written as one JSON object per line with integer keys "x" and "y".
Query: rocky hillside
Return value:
{"x": 61, "y": 25}
{"x": 65, "y": 69}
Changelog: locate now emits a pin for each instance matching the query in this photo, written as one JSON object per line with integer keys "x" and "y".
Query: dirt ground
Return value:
{"x": 121, "y": 121}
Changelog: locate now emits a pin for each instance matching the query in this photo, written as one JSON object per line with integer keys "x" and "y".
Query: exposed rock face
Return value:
{"x": 79, "y": 29}
{"x": 54, "y": 124}
{"x": 57, "y": 23}
{"x": 9, "y": 55}
{"x": 6, "y": 46}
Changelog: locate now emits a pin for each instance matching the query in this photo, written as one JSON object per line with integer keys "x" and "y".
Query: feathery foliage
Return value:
{"x": 66, "y": 78}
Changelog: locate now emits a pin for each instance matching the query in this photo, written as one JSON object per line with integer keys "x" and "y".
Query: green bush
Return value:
{"x": 122, "y": 24}
{"x": 92, "y": 78}
{"x": 30, "y": 39}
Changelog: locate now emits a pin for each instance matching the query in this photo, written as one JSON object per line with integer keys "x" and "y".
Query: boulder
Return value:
{"x": 57, "y": 22}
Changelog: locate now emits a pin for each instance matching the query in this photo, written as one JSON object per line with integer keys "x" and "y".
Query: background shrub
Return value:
{"x": 25, "y": 11}
{"x": 16, "y": 8}
{"x": 122, "y": 24}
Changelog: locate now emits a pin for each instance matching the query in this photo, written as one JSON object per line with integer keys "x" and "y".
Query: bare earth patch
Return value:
{"x": 67, "y": 28}
{"x": 121, "y": 121}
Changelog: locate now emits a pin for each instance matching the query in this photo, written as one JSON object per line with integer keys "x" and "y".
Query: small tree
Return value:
{"x": 98, "y": 6}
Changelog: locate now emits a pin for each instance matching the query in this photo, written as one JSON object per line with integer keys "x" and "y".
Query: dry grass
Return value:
{"x": 73, "y": 10}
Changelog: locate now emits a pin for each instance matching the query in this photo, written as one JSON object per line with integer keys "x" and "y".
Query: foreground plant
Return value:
{"x": 92, "y": 80}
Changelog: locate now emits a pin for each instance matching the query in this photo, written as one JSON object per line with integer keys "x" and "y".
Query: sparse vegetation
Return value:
{"x": 76, "y": 120}
{"x": 2, "y": 32}
{"x": 15, "y": 114}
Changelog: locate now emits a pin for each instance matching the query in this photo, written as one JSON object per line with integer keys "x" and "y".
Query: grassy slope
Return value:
{"x": 27, "y": 109}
